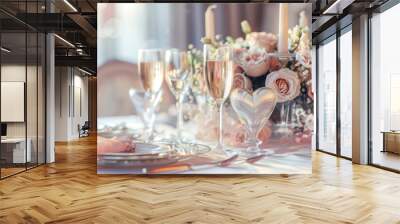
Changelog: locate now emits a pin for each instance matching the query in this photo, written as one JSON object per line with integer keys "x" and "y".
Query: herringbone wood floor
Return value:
{"x": 70, "y": 191}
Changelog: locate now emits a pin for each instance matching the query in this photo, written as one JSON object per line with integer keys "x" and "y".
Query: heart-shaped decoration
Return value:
{"x": 253, "y": 109}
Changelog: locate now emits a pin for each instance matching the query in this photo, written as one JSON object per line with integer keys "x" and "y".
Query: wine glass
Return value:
{"x": 218, "y": 74}
{"x": 141, "y": 102}
{"x": 177, "y": 74}
{"x": 151, "y": 74}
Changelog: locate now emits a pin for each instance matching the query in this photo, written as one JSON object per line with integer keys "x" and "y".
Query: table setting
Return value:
{"x": 242, "y": 106}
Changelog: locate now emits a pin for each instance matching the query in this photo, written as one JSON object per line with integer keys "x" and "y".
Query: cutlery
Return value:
{"x": 187, "y": 167}
{"x": 224, "y": 163}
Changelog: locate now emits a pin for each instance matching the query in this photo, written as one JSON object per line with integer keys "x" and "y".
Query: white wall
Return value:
{"x": 80, "y": 110}
{"x": 71, "y": 102}
{"x": 16, "y": 73}
{"x": 33, "y": 127}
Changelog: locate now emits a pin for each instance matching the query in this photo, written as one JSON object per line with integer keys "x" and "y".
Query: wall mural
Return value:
{"x": 204, "y": 88}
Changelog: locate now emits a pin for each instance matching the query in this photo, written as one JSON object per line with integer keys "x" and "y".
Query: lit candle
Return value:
{"x": 283, "y": 28}
{"x": 210, "y": 22}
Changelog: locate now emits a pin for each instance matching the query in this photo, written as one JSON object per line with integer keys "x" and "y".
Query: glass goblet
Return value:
{"x": 143, "y": 103}
{"x": 178, "y": 71}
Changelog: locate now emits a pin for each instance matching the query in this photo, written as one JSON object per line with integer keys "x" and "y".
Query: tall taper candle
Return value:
{"x": 283, "y": 28}
{"x": 210, "y": 22}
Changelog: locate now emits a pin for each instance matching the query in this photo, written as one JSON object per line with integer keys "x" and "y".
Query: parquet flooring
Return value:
{"x": 70, "y": 191}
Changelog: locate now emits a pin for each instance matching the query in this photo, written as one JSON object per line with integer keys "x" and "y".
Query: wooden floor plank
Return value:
{"x": 70, "y": 191}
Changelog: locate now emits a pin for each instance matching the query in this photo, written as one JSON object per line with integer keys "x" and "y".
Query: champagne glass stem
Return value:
{"x": 287, "y": 112}
{"x": 221, "y": 125}
{"x": 283, "y": 112}
{"x": 149, "y": 124}
{"x": 179, "y": 120}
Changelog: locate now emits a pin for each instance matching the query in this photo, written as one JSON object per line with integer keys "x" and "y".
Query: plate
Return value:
{"x": 151, "y": 155}
{"x": 186, "y": 149}
{"x": 145, "y": 155}
{"x": 142, "y": 151}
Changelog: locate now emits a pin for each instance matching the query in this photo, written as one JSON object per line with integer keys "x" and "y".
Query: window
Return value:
{"x": 327, "y": 97}
{"x": 385, "y": 89}
{"x": 22, "y": 77}
{"x": 346, "y": 94}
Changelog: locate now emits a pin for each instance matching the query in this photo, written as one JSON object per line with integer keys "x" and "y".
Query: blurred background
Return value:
{"x": 123, "y": 29}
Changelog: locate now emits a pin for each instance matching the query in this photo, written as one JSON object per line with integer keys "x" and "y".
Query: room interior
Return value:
{"x": 49, "y": 92}
{"x": 22, "y": 102}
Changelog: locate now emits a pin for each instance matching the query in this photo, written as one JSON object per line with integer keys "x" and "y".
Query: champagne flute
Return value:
{"x": 218, "y": 74}
{"x": 177, "y": 74}
{"x": 151, "y": 74}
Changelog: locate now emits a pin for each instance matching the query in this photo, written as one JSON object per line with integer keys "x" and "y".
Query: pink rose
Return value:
{"x": 256, "y": 70}
{"x": 238, "y": 136}
{"x": 252, "y": 61}
{"x": 274, "y": 63}
{"x": 268, "y": 41}
{"x": 303, "y": 137}
{"x": 237, "y": 69}
{"x": 264, "y": 135}
{"x": 285, "y": 83}
{"x": 241, "y": 81}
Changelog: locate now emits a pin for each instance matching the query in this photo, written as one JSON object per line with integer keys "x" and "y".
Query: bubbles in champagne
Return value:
{"x": 219, "y": 78}
{"x": 151, "y": 75}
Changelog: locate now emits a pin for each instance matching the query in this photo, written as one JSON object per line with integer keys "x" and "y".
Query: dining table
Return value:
{"x": 278, "y": 158}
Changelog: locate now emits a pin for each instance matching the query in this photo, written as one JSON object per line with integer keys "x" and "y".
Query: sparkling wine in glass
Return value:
{"x": 178, "y": 74}
{"x": 151, "y": 73}
{"x": 218, "y": 74}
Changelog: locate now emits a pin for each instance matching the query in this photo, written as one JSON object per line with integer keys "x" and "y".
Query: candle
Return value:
{"x": 283, "y": 28}
{"x": 210, "y": 22}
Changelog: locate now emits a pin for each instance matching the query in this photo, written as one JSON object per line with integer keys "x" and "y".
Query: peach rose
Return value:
{"x": 268, "y": 41}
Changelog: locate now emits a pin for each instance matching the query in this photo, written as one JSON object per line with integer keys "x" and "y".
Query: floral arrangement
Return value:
{"x": 196, "y": 61}
{"x": 258, "y": 64}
